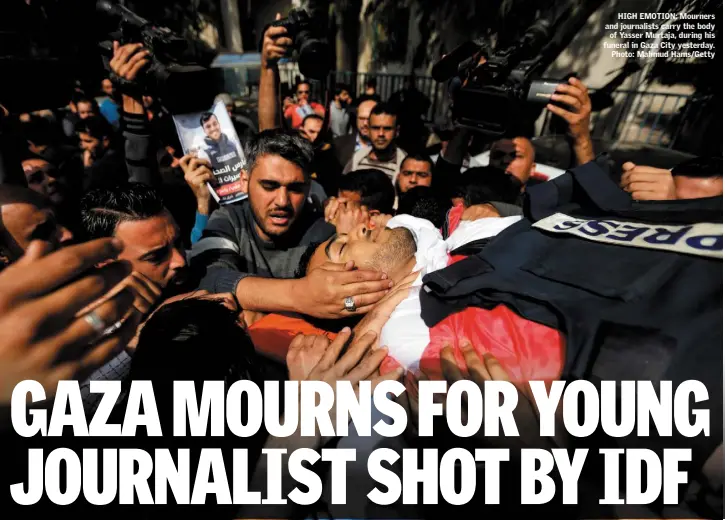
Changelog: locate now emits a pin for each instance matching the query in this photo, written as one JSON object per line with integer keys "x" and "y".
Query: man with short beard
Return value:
{"x": 384, "y": 153}
{"x": 253, "y": 248}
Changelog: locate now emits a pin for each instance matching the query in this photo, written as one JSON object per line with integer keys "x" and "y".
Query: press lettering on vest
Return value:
{"x": 626, "y": 232}
{"x": 595, "y": 228}
{"x": 569, "y": 224}
{"x": 703, "y": 239}
{"x": 707, "y": 243}
{"x": 665, "y": 236}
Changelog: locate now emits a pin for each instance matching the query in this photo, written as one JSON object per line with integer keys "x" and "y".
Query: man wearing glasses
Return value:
{"x": 347, "y": 145}
{"x": 297, "y": 112}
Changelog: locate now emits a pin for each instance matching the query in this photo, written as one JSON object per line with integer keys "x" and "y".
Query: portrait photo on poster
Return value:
{"x": 211, "y": 136}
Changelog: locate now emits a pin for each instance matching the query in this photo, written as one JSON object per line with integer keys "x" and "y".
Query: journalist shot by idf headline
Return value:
{"x": 361, "y": 259}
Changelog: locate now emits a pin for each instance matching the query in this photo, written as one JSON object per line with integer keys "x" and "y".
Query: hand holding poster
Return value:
{"x": 211, "y": 136}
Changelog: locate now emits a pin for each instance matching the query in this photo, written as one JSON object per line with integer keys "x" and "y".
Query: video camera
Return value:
{"x": 498, "y": 87}
{"x": 178, "y": 74}
{"x": 314, "y": 57}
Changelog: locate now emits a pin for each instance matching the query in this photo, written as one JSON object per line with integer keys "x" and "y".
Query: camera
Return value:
{"x": 314, "y": 57}
{"x": 178, "y": 73}
{"x": 502, "y": 87}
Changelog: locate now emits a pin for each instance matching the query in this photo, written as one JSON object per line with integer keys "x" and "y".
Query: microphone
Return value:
{"x": 448, "y": 65}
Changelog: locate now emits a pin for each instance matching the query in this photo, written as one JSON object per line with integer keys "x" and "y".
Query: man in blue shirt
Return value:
{"x": 107, "y": 105}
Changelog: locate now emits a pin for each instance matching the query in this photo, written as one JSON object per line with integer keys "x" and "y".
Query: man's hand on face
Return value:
{"x": 576, "y": 96}
{"x": 275, "y": 44}
{"x": 349, "y": 215}
{"x": 197, "y": 172}
{"x": 128, "y": 60}
{"x": 323, "y": 291}
{"x": 332, "y": 208}
{"x": 647, "y": 183}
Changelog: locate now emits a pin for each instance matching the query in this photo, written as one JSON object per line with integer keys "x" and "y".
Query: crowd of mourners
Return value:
{"x": 356, "y": 236}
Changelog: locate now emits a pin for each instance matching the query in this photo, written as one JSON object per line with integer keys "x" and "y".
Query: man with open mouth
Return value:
{"x": 252, "y": 248}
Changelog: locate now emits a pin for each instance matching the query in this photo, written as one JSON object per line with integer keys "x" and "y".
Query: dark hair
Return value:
{"x": 102, "y": 210}
{"x": 483, "y": 184}
{"x": 302, "y": 82}
{"x": 79, "y": 96}
{"x": 194, "y": 340}
{"x": 340, "y": 87}
{"x": 175, "y": 344}
{"x": 383, "y": 108}
{"x": 95, "y": 126}
{"x": 419, "y": 156}
{"x": 86, "y": 99}
{"x": 367, "y": 97}
{"x": 371, "y": 82}
{"x": 288, "y": 145}
{"x": 375, "y": 189}
{"x": 699, "y": 167}
{"x": 423, "y": 202}
{"x": 206, "y": 116}
{"x": 312, "y": 116}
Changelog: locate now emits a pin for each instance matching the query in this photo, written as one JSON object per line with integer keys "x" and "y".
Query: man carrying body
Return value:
{"x": 252, "y": 249}
{"x": 384, "y": 154}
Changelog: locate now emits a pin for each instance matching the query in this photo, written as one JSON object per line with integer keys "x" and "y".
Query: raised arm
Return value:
{"x": 575, "y": 96}
{"x": 274, "y": 46}
{"x": 140, "y": 146}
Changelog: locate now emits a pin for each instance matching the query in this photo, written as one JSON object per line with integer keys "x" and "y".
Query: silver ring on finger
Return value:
{"x": 95, "y": 322}
{"x": 113, "y": 328}
{"x": 350, "y": 304}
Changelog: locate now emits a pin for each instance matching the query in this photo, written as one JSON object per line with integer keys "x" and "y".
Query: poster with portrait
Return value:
{"x": 211, "y": 136}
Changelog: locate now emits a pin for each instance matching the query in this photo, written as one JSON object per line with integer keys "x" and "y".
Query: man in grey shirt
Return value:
{"x": 339, "y": 112}
{"x": 253, "y": 248}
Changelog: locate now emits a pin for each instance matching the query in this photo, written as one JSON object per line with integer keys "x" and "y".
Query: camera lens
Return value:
{"x": 314, "y": 58}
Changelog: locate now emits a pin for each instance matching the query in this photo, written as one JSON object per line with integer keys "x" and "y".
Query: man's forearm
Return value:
{"x": 131, "y": 105}
{"x": 268, "y": 295}
{"x": 583, "y": 149}
{"x": 268, "y": 98}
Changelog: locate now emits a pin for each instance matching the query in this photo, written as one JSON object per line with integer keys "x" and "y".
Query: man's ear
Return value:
{"x": 106, "y": 142}
{"x": 245, "y": 181}
{"x": 533, "y": 168}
